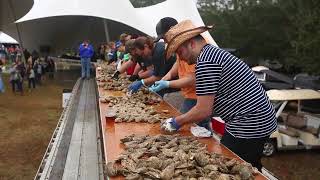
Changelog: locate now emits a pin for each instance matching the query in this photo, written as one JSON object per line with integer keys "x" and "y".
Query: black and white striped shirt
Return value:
{"x": 240, "y": 99}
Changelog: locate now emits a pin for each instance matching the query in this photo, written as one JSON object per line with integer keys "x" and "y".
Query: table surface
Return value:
{"x": 112, "y": 132}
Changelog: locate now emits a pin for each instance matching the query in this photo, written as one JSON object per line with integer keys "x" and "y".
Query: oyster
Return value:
{"x": 111, "y": 169}
{"x": 168, "y": 172}
{"x": 164, "y": 157}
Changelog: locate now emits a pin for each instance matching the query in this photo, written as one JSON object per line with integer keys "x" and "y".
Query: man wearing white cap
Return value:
{"x": 226, "y": 85}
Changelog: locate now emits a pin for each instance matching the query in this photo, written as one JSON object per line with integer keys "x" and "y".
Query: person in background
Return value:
{"x": 34, "y": 55}
{"x": 110, "y": 51}
{"x": 101, "y": 51}
{"x": 15, "y": 79}
{"x": 2, "y": 63}
{"x": 114, "y": 55}
{"x": 31, "y": 76}
{"x": 21, "y": 68}
{"x": 11, "y": 53}
{"x": 227, "y": 86}
{"x": 38, "y": 71}
{"x": 26, "y": 54}
{"x": 86, "y": 52}
{"x": 51, "y": 68}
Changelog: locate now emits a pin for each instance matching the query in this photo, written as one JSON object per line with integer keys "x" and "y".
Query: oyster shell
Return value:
{"x": 164, "y": 157}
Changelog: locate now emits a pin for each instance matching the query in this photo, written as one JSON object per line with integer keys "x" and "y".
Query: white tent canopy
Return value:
{"x": 61, "y": 25}
{"x": 143, "y": 19}
{"x": 4, "y": 38}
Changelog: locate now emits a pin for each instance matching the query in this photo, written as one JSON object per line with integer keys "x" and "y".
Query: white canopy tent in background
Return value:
{"x": 6, "y": 39}
{"x": 62, "y": 24}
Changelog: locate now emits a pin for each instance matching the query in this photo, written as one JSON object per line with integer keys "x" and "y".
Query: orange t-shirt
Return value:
{"x": 183, "y": 69}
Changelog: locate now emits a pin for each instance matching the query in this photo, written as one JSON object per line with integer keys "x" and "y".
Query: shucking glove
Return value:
{"x": 170, "y": 125}
{"x": 135, "y": 86}
{"x": 159, "y": 85}
{"x": 115, "y": 75}
{"x": 133, "y": 77}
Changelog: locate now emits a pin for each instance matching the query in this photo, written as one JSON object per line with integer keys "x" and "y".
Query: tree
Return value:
{"x": 287, "y": 31}
{"x": 144, "y": 3}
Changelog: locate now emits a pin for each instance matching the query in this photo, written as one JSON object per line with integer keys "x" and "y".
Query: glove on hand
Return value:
{"x": 115, "y": 75}
{"x": 135, "y": 86}
{"x": 170, "y": 125}
{"x": 134, "y": 77}
{"x": 159, "y": 85}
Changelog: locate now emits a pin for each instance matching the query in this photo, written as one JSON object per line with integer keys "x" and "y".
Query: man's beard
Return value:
{"x": 192, "y": 59}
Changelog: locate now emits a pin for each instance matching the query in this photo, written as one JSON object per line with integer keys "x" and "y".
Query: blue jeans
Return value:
{"x": 187, "y": 105}
{"x": 85, "y": 67}
{"x": 1, "y": 85}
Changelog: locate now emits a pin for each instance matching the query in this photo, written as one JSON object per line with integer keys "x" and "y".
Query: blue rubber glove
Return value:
{"x": 159, "y": 85}
{"x": 135, "y": 86}
{"x": 170, "y": 125}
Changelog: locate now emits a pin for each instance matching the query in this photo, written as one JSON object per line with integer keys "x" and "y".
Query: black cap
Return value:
{"x": 163, "y": 27}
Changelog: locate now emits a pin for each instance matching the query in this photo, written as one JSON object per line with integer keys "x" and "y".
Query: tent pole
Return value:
{"x": 106, "y": 30}
{"x": 18, "y": 30}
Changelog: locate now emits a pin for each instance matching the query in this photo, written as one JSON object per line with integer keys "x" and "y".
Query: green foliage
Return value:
{"x": 283, "y": 30}
{"x": 144, "y": 3}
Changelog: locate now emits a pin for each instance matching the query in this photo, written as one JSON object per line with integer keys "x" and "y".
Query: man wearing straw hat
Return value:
{"x": 226, "y": 85}
{"x": 184, "y": 71}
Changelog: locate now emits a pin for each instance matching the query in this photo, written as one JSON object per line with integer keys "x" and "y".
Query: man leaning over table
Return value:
{"x": 155, "y": 53}
{"x": 226, "y": 85}
{"x": 184, "y": 71}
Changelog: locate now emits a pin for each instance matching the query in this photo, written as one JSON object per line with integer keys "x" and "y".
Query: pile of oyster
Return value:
{"x": 135, "y": 109}
{"x": 108, "y": 83}
{"x": 107, "y": 69}
{"x": 116, "y": 85}
{"x": 174, "y": 157}
{"x": 146, "y": 97}
{"x": 105, "y": 80}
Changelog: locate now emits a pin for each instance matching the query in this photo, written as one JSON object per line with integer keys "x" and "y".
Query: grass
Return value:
{"x": 27, "y": 123}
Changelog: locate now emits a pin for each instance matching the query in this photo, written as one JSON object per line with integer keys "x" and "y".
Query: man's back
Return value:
{"x": 239, "y": 97}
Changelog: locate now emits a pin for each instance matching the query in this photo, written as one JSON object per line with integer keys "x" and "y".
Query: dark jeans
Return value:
{"x": 17, "y": 83}
{"x": 249, "y": 150}
{"x": 38, "y": 78}
{"x": 189, "y": 104}
{"x": 51, "y": 75}
{"x": 31, "y": 81}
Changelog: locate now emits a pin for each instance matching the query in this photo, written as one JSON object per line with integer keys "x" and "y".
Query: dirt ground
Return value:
{"x": 27, "y": 123}
{"x": 294, "y": 164}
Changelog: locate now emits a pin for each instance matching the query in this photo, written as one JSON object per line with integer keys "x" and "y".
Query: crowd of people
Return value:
{"x": 32, "y": 70}
{"x": 212, "y": 81}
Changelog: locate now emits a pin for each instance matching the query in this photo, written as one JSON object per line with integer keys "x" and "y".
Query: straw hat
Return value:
{"x": 180, "y": 33}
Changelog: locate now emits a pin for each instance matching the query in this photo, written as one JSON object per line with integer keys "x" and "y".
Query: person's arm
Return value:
{"x": 146, "y": 73}
{"x": 186, "y": 81}
{"x": 172, "y": 73}
{"x": 125, "y": 66}
{"x": 137, "y": 69}
{"x": 150, "y": 80}
{"x": 200, "y": 111}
